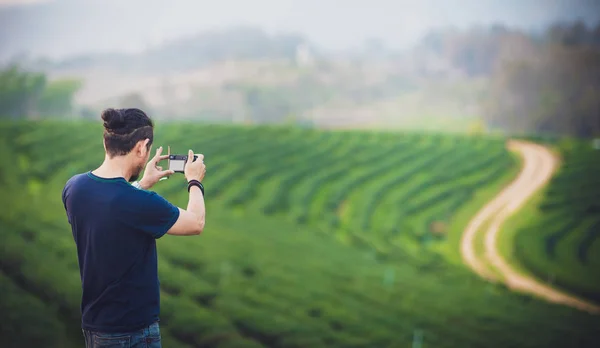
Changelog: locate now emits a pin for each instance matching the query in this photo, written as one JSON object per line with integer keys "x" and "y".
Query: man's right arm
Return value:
{"x": 191, "y": 220}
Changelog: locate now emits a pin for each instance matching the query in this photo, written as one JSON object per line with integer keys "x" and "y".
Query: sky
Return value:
{"x": 62, "y": 28}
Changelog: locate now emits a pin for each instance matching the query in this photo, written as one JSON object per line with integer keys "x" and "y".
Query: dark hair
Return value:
{"x": 123, "y": 128}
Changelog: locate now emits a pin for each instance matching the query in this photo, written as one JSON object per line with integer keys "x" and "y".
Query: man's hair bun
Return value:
{"x": 113, "y": 119}
{"x": 123, "y": 128}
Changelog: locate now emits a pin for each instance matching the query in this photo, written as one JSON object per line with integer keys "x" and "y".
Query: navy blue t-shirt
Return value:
{"x": 115, "y": 227}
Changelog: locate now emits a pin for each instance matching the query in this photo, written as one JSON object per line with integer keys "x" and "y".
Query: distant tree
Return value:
{"x": 133, "y": 100}
{"x": 573, "y": 34}
{"x": 88, "y": 113}
{"x": 554, "y": 88}
{"x": 57, "y": 97}
{"x": 19, "y": 91}
{"x": 30, "y": 94}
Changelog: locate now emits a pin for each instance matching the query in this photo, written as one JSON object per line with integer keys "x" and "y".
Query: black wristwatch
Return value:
{"x": 195, "y": 183}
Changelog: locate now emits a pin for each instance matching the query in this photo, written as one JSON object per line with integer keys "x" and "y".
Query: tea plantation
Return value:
{"x": 560, "y": 238}
{"x": 313, "y": 239}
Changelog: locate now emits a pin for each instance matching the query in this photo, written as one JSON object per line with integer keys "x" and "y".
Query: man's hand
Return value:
{"x": 194, "y": 170}
{"x": 153, "y": 172}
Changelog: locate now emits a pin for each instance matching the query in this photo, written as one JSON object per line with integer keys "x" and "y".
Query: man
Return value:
{"x": 115, "y": 226}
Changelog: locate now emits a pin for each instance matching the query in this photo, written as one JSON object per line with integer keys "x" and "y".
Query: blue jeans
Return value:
{"x": 148, "y": 337}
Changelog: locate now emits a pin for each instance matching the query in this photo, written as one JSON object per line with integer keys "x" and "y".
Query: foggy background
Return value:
{"x": 429, "y": 64}
{"x": 63, "y": 28}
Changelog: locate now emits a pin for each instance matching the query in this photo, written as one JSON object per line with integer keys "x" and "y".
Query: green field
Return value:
{"x": 313, "y": 239}
{"x": 558, "y": 235}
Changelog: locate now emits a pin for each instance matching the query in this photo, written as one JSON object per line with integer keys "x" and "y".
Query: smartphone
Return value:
{"x": 177, "y": 162}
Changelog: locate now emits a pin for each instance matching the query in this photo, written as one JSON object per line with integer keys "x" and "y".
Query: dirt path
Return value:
{"x": 539, "y": 166}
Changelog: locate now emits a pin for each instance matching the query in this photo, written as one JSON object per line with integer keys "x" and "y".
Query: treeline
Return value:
{"x": 236, "y": 43}
{"x": 544, "y": 83}
{"x": 30, "y": 94}
{"x": 549, "y": 85}
{"x": 557, "y": 91}
{"x": 547, "y": 82}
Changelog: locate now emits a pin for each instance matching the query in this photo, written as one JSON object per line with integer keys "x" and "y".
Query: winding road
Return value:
{"x": 539, "y": 166}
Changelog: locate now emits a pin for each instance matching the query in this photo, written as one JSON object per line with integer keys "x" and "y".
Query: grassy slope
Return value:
{"x": 532, "y": 226}
{"x": 452, "y": 249}
{"x": 29, "y": 321}
{"x": 253, "y": 280}
{"x": 510, "y": 229}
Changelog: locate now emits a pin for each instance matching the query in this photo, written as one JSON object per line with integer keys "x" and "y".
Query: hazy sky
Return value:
{"x": 58, "y": 28}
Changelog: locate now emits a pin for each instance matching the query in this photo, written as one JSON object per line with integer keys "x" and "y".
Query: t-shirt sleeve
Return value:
{"x": 149, "y": 212}
{"x": 64, "y": 201}
{"x": 65, "y": 193}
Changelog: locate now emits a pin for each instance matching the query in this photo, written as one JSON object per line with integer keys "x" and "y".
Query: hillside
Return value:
{"x": 495, "y": 78}
{"x": 556, "y": 236}
{"x": 313, "y": 238}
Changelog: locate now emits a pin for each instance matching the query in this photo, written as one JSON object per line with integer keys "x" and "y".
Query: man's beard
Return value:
{"x": 135, "y": 175}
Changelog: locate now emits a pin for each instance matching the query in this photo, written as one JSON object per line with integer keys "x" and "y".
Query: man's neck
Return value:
{"x": 113, "y": 168}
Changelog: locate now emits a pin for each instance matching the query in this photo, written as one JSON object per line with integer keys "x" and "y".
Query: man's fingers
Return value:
{"x": 163, "y": 173}
{"x": 158, "y": 156}
{"x": 190, "y": 156}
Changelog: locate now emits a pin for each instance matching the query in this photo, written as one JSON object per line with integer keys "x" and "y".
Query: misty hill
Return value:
{"x": 239, "y": 43}
{"x": 236, "y": 43}
{"x": 546, "y": 82}
{"x": 512, "y": 80}
{"x": 479, "y": 51}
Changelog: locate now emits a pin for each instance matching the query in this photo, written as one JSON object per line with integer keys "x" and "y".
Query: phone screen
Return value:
{"x": 177, "y": 165}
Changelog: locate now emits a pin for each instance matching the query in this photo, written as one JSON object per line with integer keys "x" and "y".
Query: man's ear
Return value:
{"x": 141, "y": 147}
{"x": 145, "y": 148}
